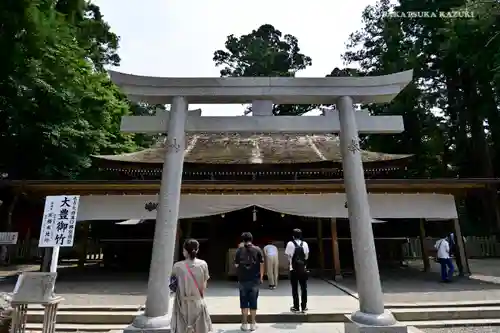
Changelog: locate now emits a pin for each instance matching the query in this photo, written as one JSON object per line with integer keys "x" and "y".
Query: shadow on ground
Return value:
{"x": 410, "y": 284}
{"x": 94, "y": 285}
{"x": 93, "y": 280}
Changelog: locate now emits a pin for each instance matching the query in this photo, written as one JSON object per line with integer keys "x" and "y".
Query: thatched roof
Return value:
{"x": 252, "y": 149}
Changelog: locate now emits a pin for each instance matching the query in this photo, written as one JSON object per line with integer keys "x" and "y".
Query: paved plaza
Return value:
{"x": 339, "y": 328}
{"x": 477, "y": 329}
{"x": 411, "y": 285}
{"x": 293, "y": 327}
{"x": 106, "y": 289}
{"x": 95, "y": 286}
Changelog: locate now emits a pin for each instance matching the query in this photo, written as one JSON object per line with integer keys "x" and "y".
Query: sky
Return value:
{"x": 177, "y": 38}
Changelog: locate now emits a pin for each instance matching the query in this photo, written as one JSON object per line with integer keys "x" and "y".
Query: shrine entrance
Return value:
{"x": 219, "y": 235}
{"x": 127, "y": 245}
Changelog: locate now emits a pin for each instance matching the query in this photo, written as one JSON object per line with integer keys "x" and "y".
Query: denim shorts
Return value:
{"x": 249, "y": 292}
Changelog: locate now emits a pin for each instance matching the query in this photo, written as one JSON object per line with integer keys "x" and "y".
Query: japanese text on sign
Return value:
{"x": 59, "y": 221}
{"x": 8, "y": 238}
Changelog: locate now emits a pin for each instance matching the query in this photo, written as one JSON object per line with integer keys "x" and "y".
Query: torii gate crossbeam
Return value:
{"x": 265, "y": 124}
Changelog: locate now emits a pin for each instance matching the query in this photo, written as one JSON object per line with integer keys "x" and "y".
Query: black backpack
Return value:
{"x": 247, "y": 258}
{"x": 299, "y": 258}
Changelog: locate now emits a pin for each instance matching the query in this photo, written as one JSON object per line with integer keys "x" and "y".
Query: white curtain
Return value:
{"x": 382, "y": 206}
{"x": 314, "y": 205}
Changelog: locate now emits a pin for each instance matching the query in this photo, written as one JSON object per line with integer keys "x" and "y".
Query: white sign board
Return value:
{"x": 8, "y": 238}
{"x": 59, "y": 221}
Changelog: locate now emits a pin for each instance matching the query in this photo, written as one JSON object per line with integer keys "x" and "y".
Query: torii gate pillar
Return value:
{"x": 156, "y": 316}
{"x": 371, "y": 303}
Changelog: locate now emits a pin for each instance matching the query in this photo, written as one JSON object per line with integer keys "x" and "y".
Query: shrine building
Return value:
{"x": 265, "y": 184}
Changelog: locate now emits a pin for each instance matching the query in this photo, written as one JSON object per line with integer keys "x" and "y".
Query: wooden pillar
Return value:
{"x": 189, "y": 229}
{"x": 423, "y": 248}
{"x": 320, "y": 246}
{"x": 22, "y": 250}
{"x": 177, "y": 240}
{"x": 8, "y": 249}
{"x": 47, "y": 256}
{"x": 85, "y": 226}
{"x": 335, "y": 250}
{"x": 462, "y": 260}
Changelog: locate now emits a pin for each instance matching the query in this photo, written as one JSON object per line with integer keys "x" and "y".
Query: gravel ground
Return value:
{"x": 471, "y": 329}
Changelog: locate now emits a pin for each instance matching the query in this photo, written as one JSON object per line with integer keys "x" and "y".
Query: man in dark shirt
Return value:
{"x": 249, "y": 261}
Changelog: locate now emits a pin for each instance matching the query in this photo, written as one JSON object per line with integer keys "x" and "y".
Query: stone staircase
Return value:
{"x": 429, "y": 315}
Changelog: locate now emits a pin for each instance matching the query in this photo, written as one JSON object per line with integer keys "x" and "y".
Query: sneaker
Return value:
{"x": 294, "y": 309}
{"x": 244, "y": 327}
{"x": 253, "y": 326}
{"x": 304, "y": 310}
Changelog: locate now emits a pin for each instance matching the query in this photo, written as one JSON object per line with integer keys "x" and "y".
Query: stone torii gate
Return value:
{"x": 262, "y": 92}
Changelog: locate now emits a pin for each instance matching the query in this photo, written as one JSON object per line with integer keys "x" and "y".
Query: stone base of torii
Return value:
{"x": 262, "y": 93}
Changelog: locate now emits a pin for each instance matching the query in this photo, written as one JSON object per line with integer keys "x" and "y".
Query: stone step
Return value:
{"x": 454, "y": 323}
{"x": 402, "y": 314}
{"x": 449, "y": 313}
{"x": 116, "y": 308}
{"x": 126, "y": 317}
{"x": 457, "y": 304}
{"x": 77, "y": 327}
{"x": 293, "y": 327}
{"x": 306, "y": 327}
{"x": 262, "y": 327}
{"x": 91, "y": 308}
{"x": 449, "y": 304}
{"x": 87, "y": 317}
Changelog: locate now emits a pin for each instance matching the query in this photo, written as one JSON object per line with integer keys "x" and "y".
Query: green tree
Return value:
{"x": 55, "y": 109}
{"x": 101, "y": 46}
{"x": 92, "y": 32}
{"x": 382, "y": 47}
{"x": 264, "y": 52}
{"x": 451, "y": 108}
{"x": 144, "y": 109}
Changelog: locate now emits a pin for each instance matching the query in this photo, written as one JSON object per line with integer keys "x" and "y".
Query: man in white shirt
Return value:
{"x": 298, "y": 252}
{"x": 442, "y": 247}
{"x": 272, "y": 264}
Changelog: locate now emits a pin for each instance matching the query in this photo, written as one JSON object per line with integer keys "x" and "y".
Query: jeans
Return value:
{"x": 249, "y": 293}
{"x": 296, "y": 280}
{"x": 447, "y": 268}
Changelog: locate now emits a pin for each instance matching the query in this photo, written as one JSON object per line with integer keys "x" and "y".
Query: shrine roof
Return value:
{"x": 253, "y": 149}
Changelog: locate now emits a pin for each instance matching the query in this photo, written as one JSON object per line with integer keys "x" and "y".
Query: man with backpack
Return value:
{"x": 298, "y": 251}
{"x": 249, "y": 261}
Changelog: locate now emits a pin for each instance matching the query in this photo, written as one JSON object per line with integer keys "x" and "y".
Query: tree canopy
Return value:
{"x": 58, "y": 106}
{"x": 451, "y": 109}
{"x": 264, "y": 52}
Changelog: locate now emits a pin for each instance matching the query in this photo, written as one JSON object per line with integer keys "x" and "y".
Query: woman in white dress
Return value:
{"x": 190, "y": 314}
